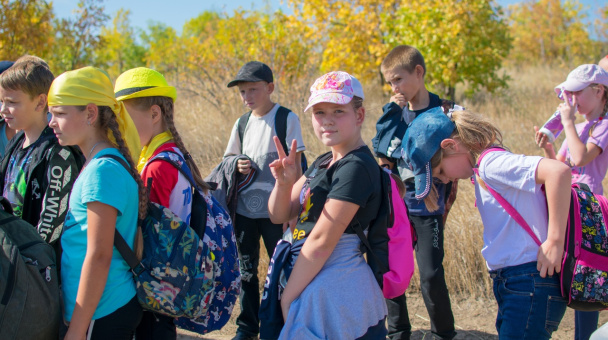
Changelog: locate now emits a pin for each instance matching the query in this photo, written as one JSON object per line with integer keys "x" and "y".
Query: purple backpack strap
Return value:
{"x": 503, "y": 202}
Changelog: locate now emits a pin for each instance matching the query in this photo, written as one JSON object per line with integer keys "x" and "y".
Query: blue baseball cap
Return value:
{"x": 421, "y": 141}
{"x": 4, "y": 65}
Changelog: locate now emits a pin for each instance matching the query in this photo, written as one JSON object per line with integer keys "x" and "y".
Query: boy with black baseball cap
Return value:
{"x": 252, "y": 135}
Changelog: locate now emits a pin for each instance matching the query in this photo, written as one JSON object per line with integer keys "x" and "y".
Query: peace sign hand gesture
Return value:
{"x": 284, "y": 169}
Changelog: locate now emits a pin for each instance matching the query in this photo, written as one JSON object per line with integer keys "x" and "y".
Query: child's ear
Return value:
{"x": 270, "y": 88}
{"x": 42, "y": 101}
{"x": 157, "y": 113}
{"x": 448, "y": 144}
{"x": 360, "y": 115}
{"x": 419, "y": 71}
{"x": 92, "y": 113}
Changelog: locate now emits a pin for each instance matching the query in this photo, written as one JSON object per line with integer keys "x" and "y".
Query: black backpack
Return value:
{"x": 29, "y": 288}
{"x": 280, "y": 127}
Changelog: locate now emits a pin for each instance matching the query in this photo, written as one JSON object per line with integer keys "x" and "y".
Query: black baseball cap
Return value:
{"x": 251, "y": 72}
{"x": 4, "y": 65}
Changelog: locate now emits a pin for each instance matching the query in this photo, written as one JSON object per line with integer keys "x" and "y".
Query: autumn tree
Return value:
{"x": 462, "y": 42}
{"x": 78, "y": 39}
{"x": 25, "y": 27}
{"x": 349, "y": 33}
{"x": 162, "y": 47}
{"x": 601, "y": 26}
{"x": 547, "y": 31}
{"x": 213, "y": 47}
{"x": 121, "y": 51}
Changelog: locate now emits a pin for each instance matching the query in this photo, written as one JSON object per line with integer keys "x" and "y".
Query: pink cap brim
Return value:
{"x": 328, "y": 97}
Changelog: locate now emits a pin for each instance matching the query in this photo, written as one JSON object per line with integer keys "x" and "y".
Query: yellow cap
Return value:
{"x": 142, "y": 82}
{"x": 92, "y": 85}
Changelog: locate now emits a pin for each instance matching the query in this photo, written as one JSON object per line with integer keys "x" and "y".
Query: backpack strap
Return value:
{"x": 6, "y": 205}
{"x": 386, "y": 199}
{"x": 241, "y": 127}
{"x": 503, "y": 202}
{"x": 198, "y": 218}
{"x": 280, "y": 126}
{"x": 119, "y": 242}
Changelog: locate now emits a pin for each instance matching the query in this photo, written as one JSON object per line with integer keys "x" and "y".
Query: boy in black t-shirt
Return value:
{"x": 36, "y": 174}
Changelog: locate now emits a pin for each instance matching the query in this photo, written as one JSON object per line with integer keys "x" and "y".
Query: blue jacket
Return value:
{"x": 279, "y": 269}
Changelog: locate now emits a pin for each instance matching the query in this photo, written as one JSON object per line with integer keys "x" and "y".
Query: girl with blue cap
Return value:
{"x": 526, "y": 284}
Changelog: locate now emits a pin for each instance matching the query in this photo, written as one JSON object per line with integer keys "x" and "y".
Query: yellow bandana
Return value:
{"x": 92, "y": 85}
{"x": 148, "y": 150}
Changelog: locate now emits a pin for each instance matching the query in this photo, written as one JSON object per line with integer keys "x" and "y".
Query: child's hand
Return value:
{"x": 284, "y": 169}
{"x": 567, "y": 110}
{"x": 550, "y": 256}
{"x": 244, "y": 166}
{"x": 399, "y": 99}
{"x": 542, "y": 141}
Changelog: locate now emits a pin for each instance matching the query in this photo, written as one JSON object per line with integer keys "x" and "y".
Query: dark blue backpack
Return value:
{"x": 212, "y": 223}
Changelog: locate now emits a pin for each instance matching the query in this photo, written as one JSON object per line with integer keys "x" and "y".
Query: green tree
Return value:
{"x": 121, "y": 50}
{"x": 462, "y": 42}
{"x": 25, "y": 27}
{"x": 78, "y": 39}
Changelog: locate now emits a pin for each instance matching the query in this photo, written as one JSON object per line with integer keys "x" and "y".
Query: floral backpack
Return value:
{"x": 213, "y": 225}
{"x": 584, "y": 272}
{"x": 189, "y": 272}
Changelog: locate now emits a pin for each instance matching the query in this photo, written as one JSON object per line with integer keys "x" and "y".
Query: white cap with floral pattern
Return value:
{"x": 334, "y": 87}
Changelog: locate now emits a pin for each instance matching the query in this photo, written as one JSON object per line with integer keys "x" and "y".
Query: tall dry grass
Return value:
{"x": 528, "y": 101}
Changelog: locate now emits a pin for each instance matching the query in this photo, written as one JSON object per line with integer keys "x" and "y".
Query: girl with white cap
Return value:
{"x": 331, "y": 292}
{"x": 97, "y": 284}
{"x": 583, "y": 148}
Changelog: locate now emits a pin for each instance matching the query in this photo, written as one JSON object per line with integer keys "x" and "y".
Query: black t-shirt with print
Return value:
{"x": 355, "y": 178}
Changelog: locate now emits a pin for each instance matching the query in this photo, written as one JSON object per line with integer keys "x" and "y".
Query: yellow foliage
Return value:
{"x": 25, "y": 28}
{"x": 549, "y": 31}
{"x": 349, "y": 33}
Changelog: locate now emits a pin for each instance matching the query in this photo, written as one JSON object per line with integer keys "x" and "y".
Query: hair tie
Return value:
{"x": 187, "y": 156}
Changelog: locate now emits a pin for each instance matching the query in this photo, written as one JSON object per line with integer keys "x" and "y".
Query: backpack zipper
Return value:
{"x": 11, "y": 278}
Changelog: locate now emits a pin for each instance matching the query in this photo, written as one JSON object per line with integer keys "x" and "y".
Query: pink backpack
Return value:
{"x": 389, "y": 241}
{"x": 584, "y": 272}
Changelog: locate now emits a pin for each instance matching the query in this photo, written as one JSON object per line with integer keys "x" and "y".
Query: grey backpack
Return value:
{"x": 29, "y": 288}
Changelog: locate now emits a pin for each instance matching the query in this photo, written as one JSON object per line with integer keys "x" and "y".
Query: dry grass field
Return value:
{"x": 528, "y": 101}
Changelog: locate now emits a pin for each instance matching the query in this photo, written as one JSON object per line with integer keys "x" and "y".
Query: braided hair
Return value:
{"x": 166, "y": 108}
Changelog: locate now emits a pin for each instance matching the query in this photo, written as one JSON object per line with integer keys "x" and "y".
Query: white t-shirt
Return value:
{"x": 258, "y": 145}
{"x": 506, "y": 243}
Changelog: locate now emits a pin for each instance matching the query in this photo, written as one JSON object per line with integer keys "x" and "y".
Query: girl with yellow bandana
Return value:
{"x": 149, "y": 101}
{"x": 98, "y": 287}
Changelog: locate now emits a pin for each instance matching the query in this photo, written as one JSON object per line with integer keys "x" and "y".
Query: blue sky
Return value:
{"x": 176, "y": 12}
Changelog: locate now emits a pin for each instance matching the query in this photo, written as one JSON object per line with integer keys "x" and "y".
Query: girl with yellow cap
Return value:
{"x": 97, "y": 284}
{"x": 149, "y": 100}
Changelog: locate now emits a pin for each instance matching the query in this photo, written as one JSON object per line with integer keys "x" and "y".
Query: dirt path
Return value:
{"x": 474, "y": 320}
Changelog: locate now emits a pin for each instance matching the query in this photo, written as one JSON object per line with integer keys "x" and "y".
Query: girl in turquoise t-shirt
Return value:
{"x": 98, "y": 287}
